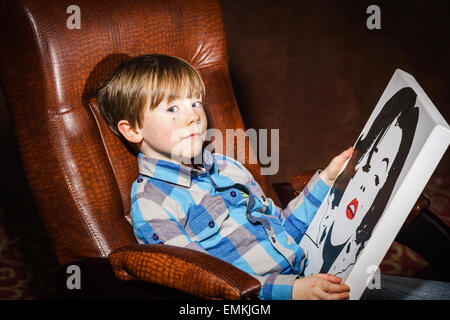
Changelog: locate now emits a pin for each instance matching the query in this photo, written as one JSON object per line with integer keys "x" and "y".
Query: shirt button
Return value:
{"x": 233, "y": 193}
{"x": 140, "y": 180}
{"x": 273, "y": 239}
{"x": 263, "y": 198}
{"x": 211, "y": 224}
{"x": 155, "y": 237}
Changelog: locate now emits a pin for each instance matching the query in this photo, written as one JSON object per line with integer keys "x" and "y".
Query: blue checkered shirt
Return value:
{"x": 221, "y": 210}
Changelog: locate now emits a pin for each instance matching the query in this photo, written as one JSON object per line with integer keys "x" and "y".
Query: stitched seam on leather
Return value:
{"x": 37, "y": 40}
{"x": 213, "y": 64}
{"x": 69, "y": 184}
{"x": 106, "y": 149}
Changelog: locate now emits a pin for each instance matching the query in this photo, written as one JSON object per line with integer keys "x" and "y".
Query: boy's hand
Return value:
{"x": 329, "y": 174}
{"x": 320, "y": 287}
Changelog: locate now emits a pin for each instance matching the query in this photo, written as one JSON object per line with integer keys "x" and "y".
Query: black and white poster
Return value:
{"x": 395, "y": 155}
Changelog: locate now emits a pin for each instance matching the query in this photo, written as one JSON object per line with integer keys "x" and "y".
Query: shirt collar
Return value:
{"x": 173, "y": 172}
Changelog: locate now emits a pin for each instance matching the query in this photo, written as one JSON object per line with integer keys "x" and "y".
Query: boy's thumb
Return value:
{"x": 347, "y": 153}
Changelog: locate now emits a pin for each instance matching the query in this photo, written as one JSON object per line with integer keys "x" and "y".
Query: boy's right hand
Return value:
{"x": 320, "y": 287}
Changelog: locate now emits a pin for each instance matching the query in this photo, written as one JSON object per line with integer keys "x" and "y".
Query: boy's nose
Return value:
{"x": 192, "y": 117}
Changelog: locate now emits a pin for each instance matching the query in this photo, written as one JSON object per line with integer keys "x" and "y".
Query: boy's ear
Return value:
{"x": 129, "y": 132}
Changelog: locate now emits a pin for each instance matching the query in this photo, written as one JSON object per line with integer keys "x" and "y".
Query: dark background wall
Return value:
{"x": 315, "y": 71}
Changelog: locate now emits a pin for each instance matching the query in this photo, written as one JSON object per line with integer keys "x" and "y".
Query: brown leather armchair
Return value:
{"x": 79, "y": 173}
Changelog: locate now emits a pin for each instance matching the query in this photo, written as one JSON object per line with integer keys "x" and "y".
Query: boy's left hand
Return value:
{"x": 329, "y": 174}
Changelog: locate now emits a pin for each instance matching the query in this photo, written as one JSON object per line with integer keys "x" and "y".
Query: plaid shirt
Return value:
{"x": 221, "y": 210}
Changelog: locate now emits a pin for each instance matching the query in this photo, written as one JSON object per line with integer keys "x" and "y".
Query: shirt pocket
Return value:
{"x": 206, "y": 218}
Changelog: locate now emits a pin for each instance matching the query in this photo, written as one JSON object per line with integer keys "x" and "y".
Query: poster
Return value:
{"x": 395, "y": 155}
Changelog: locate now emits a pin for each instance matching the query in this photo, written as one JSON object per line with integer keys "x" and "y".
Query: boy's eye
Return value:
{"x": 172, "y": 109}
{"x": 197, "y": 104}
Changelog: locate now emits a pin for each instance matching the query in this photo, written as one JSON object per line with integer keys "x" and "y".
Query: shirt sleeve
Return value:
{"x": 300, "y": 211}
{"x": 276, "y": 286}
{"x": 153, "y": 224}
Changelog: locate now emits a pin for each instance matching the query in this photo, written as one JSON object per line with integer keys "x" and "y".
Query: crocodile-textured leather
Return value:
{"x": 187, "y": 270}
{"x": 299, "y": 181}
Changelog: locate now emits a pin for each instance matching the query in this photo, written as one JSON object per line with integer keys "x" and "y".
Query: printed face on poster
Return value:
{"x": 389, "y": 144}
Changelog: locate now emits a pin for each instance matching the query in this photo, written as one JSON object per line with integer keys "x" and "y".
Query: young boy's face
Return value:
{"x": 174, "y": 131}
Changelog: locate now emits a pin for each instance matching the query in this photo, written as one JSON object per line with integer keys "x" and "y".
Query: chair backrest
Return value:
{"x": 79, "y": 173}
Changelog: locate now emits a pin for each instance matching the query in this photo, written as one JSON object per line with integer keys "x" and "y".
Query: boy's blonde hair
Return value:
{"x": 145, "y": 81}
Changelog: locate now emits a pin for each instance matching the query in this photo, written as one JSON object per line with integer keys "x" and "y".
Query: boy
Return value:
{"x": 155, "y": 102}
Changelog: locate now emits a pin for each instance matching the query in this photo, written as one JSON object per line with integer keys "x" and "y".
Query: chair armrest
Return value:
{"x": 184, "y": 269}
{"x": 284, "y": 192}
{"x": 429, "y": 236}
{"x": 299, "y": 181}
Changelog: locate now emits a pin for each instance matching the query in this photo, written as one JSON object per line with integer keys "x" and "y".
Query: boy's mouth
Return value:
{"x": 193, "y": 136}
